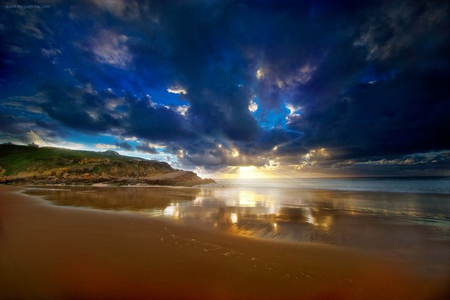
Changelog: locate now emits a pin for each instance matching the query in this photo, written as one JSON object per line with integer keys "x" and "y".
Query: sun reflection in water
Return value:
{"x": 198, "y": 201}
{"x": 318, "y": 220}
{"x": 275, "y": 226}
{"x": 247, "y": 199}
{"x": 169, "y": 210}
{"x": 172, "y": 211}
{"x": 309, "y": 217}
{"x": 233, "y": 218}
{"x": 249, "y": 211}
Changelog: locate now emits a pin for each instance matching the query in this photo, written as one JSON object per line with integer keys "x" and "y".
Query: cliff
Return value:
{"x": 47, "y": 165}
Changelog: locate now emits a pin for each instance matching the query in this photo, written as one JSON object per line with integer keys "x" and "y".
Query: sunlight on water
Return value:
{"x": 393, "y": 223}
{"x": 248, "y": 199}
{"x": 233, "y": 218}
{"x": 172, "y": 211}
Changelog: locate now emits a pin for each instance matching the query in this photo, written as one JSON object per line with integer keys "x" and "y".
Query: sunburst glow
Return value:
{"x": 252, "y": 172}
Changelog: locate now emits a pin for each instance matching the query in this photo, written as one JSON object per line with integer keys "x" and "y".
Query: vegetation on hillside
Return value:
{"x": 47, "y": 161}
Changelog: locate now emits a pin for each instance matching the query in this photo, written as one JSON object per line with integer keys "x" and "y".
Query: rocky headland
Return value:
{"x": 48, "y": 165}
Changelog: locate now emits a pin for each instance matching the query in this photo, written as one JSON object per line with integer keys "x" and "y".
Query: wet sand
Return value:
{"x": 53, "y": 252}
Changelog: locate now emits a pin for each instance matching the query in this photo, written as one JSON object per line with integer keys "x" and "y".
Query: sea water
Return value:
{"x": 434, "y": 185}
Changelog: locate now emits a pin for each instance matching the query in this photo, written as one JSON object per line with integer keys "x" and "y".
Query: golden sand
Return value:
{"x": 51, "y": 252}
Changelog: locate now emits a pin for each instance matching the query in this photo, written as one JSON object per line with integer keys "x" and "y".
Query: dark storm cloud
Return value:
{"x": 158, "y": 123}
{"x": 9, "y": 125}
{"x": 146, "y": 148}
{"x": 363, "y": 78}
{"x": 124, "y": 146}
{"x": 25, "y": 130}
{"x": 77, "y": 107}
{"x": 52, "y": 130}
{"x": 285, "y": 141}
{"x": 85, "y": 109}
{"x": 385, "y": 117}
{"x": 385, "y": 92}
{"x": 200, "y": 48}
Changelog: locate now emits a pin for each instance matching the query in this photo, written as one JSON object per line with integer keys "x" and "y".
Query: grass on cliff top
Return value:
{"x": 16, "y": 159}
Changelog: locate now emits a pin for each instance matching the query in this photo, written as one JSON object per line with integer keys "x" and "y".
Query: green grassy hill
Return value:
{"x": 48, "y": 161}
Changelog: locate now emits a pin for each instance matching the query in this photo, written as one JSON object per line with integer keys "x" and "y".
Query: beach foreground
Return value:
{"x": 55, "y": 252}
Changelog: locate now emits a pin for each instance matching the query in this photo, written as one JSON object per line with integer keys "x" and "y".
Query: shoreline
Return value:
{"x": 217, "y": 185}
{"x": 402, "y": 243}
{"x": 64, "y": 252}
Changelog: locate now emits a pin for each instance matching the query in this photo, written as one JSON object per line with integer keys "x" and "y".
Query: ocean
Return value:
{"x": 431, "y": 185}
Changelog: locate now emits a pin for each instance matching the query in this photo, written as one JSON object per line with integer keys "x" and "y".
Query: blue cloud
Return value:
{"x": 362, "y": 82}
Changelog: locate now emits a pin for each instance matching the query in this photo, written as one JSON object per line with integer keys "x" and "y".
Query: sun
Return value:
{"x": 251, "y": 172}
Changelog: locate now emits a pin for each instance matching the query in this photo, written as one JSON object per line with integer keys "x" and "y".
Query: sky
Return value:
{"x": 234, "y": 89}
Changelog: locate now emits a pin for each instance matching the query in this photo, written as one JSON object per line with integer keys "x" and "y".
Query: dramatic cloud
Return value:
{"x": 177, "y": 90}
{"x": 124, "y": 146}
{"x": 227, "y": 84}
{"x": 147, "y": 148}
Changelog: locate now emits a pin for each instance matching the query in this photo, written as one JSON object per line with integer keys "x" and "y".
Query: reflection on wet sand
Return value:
{"x": 136, "y": 199}
{"x": 51, "y": 252}
{"x": 408, "y": 226}
{"x": 401, "y": 226}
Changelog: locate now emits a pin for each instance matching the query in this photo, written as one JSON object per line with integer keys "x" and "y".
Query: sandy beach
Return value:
{"x": 54, "y": 252}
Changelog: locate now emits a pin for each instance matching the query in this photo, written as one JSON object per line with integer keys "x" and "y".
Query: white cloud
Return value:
{"x": 51, "y": 53}
{"x": 252, "y": 106}
{"x": 114, "y": 102}
{"x": 292, "y": 108}
{"x": 105, "y": 146}
{"x": 111, "y": 48}
{"x": 177, "y": 90}
{"x": 152, "y": 145}
{"x": 259, "y": 74}
{"x": 313, "y": 157}
{"x": 35, "y": 138}
{"x": 293, "y": 112}
{"x": 39, "y": 138}
{"x": 69, "y": 145}
{"x": 150, "y": 101}
{"x": 93, "y": 114}
{"x": 182, "y": 110}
